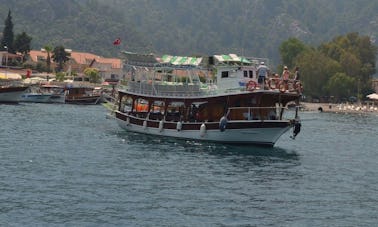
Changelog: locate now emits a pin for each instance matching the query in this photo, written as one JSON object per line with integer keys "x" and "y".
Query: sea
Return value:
{"x": 70, "y": 165}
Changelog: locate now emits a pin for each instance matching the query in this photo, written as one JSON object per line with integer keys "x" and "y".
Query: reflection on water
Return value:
{"x": 246, "y": 153}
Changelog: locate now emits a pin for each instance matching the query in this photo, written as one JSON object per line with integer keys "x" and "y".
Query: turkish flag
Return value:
{"x": 117, "y": 42}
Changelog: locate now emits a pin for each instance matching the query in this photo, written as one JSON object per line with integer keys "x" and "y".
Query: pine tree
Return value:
{"x": 7, "y": 39}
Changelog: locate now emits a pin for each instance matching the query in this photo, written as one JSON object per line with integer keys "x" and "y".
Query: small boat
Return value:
{"x": 11, "y": 93}
{"x": 180, "y": 101}
{"x": 83, "y": 95}
{"x": 44, "y": 93}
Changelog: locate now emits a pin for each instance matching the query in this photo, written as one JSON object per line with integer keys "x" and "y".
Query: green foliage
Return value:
{"x": 93, "y": 74}
{"x": 60, "y": 56}
{"x": 7, "y": 39}
{"x": 316, "y": 69}
{"x": 250, "y": 28}
{"x": 22, "y": 43}
{"x": 341, "y": 85}
{"x": 290, "y": 49}
{"x": 48, "y": 49}
{"x": 60, "y": 76}
{"x": 350, "y": 57}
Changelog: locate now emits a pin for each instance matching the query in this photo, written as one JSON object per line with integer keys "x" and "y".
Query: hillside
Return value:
{"x": 251, "y": 28}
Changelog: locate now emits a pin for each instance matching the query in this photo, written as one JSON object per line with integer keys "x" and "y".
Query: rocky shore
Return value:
{"x": 340, "y": 108}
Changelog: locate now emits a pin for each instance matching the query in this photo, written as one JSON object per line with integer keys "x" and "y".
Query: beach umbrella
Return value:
{"x": 373, "y": 96}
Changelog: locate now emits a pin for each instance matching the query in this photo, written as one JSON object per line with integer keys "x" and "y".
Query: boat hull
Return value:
{"x": 31, "y": 97}
{"x": 88, "y": 100}
{"x": 11, "y": 94}
{"x": 264, "y": 133}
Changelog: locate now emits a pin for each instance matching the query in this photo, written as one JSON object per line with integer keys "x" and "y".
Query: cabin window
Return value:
{"x": 224, "y": 74}
{"x": 157, "y": 110}
{"x": 245, "y": 73}
{"x": 141, "y": 105}
{"x": 126, "y": 104}
{"x": 175, "y": 111}
{"x": 250, "y": 74}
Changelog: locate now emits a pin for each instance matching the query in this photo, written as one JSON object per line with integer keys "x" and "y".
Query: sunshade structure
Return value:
{"x": 10, "y": 76}
{"x": 231, "y": 58}
{"x": 181, "y": 60}
{"x": 373, "y": 96}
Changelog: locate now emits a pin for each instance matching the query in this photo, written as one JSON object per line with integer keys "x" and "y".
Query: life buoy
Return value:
{"x": 251, "y": 85}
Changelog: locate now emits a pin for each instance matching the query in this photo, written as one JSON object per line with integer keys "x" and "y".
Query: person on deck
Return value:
{"x": 262, "y": 74}
{"x": 285, "y": 77}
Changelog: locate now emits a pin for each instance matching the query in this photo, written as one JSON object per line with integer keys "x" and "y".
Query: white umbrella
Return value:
{"x": 373, "y": 96}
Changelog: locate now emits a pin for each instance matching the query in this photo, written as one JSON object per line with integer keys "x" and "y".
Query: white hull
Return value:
{"x": 258, "y": 136}
{"x": 10, "y": 97}
{"x": 42, "y": 98}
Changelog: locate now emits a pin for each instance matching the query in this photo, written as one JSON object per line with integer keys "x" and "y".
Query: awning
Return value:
{"x": 231, "y": 58}
{"x": 10, "y": 76}
{"x": 181, "y": 60}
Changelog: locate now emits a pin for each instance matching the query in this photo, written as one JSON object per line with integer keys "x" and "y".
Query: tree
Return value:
{"x": 290, "y": 49}
{"x": 316, "y": 69}
{"x": 93, "y": 75}
{"x": 48, "y": 49}
{"x": 60, "y": 56}
{"x": 22, "y": 43}
{"x": 7, "y": 39}
{"x": 341, "y": 86}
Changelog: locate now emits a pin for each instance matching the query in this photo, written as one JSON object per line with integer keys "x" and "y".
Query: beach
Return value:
{"x": 340, "y": 107}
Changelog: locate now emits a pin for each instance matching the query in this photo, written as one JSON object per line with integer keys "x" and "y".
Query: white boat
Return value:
{"x": 11, "y": 93}
{"x": 174, "y": 100}
{"x": 44, "y": 94}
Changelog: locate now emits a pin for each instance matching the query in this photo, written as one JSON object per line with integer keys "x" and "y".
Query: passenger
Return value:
{"x": 262, "y": 74}
{"x": 296, "y": 74}
{"x": 285, "y": 77}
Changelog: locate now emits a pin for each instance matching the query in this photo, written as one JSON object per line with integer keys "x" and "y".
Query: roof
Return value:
{"x": 181, "y": 60}
{"x": 231, "y": 58}
{"x": 81, "y": 58}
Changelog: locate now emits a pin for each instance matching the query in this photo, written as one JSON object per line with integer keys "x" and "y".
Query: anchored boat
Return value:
{"x": 224, "y": 104}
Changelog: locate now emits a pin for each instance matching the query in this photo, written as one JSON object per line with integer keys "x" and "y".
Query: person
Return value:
{"x": 262, "y": 74}
{"x": 296, "y": 74}
{"x": 285, "y": 76}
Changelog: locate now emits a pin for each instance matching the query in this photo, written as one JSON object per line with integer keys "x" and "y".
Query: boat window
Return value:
{"x": 224, "y": 74}
{"x": 175, "y": 111}
{"x": 126, "y": 103}
{"x": 157, "y": 107}
{"x": 141, "y": 105}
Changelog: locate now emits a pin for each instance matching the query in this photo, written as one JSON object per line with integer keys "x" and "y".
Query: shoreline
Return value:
{"x": 339, "y": 108}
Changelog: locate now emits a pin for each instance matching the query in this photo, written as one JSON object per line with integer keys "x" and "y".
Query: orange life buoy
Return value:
{"x": 251, "y": 85}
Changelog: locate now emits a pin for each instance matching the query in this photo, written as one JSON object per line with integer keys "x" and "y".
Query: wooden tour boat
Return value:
{"x": 179, "y": 98}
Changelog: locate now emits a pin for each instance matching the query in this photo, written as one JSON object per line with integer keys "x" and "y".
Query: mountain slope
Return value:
{"x": 188, "y": 26}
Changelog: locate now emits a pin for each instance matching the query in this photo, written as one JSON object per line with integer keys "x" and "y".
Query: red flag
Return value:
{"x": 117, "y": 42}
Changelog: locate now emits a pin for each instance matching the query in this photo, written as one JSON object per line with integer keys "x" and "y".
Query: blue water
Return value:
{"x": 67, "y": 165}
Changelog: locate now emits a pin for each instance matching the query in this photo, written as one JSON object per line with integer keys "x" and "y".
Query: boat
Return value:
{"x": 44, "y": 93}
{"x": 10, "y": 92}
{"x": 183, "y": 101}
{"x": 86, "y": 95}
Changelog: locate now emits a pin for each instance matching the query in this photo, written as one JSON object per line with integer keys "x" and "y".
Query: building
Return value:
{"x": 109, "y": 68}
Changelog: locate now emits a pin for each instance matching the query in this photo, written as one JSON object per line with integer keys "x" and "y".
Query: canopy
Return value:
{"x": 373, "y": 96}
{"x": 10, "y": 76}
{"x": 181, "y": 60}
{"x": 231, "y": 58}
